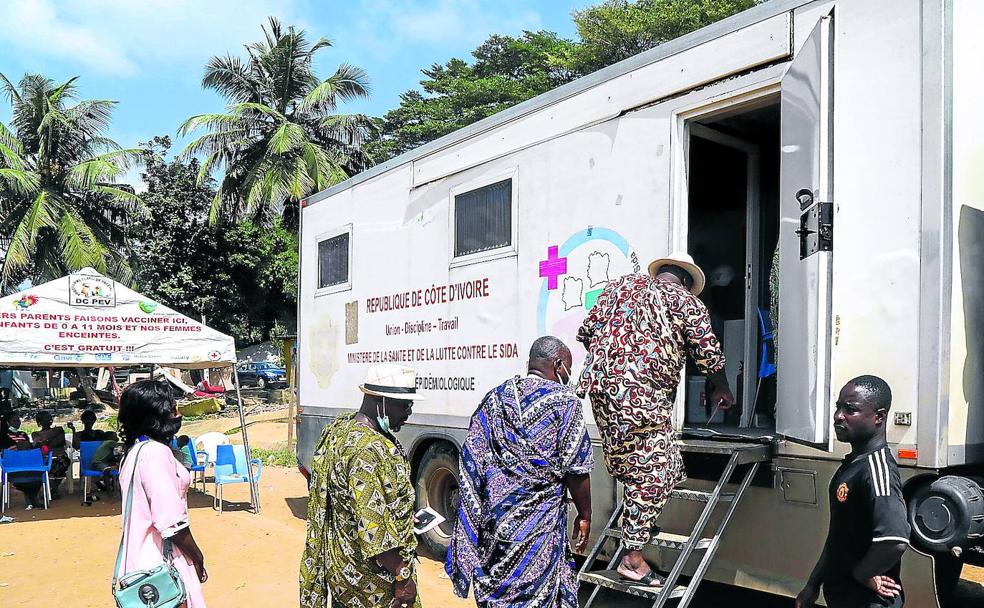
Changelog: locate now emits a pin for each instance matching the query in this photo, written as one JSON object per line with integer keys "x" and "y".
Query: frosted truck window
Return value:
{"x": 483, "y": 219}
{"x": 333, "y": 261}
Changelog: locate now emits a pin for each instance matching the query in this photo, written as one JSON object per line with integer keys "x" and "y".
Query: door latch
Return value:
{"x": 816, "y": 231}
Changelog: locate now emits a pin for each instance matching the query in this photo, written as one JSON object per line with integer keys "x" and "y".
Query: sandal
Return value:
{"x": 647, "y": 580}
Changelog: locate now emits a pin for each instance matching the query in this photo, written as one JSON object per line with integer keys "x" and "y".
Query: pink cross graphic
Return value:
{"x": 553, "y": 267}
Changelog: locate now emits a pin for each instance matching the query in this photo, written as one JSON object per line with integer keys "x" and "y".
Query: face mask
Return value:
{"x": 567, "y": 381}
{"x": 171, "y": 427}
{"x": 381, "y": 418}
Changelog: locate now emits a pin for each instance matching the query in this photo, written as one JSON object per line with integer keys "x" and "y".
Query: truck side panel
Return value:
{"x": 966, "y": 394}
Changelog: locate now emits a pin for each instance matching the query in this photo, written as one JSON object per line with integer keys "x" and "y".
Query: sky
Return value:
{"x": 149, "y": 55}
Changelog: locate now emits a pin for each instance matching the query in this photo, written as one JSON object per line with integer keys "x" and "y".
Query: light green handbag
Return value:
{"x": 160, "y": 587}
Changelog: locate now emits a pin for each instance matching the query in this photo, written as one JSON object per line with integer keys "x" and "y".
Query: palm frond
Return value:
{"x": 347, "y": 129}
{"x": 64, "y": 91}
{"x": 104, "y": 143}
{"x": 11, "y": 158}
{"x": 319, "y": 166}
{"x": 228, "y": 77}
{"x": 301, "y": 181}
{"x": 288, "y": 137}
{"x": 22, "y": 247}
{"x": 102, "y": 168}
{"x": 79, "y": 246}
{"x": 8, "y": 139}
{"x": 215, "y": 141}
{"x": 215, "y": 208}
{"x": 211, "y": 162}
{"x": 92, "y": 115}
{"x": 13, "y": 96}
{"x": 275, "y": 32}
{"x": 261, "y": 108}
{"x": 273, "y": 185}
{"x": 351, "y": 82}
{"x": 210, "y": 121}
{"x": 51, "y": 120}
{"x": 320, "y": 43}
{"x": 20, "y": 181}
{"x": 130, "y": 201}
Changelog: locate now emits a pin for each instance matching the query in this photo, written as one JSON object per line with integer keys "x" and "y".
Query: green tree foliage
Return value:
{"x": 508, "y": 70}
{"x": 280, "y": 138}
{"x": 242, "y": 278}
{"x": 61, "y": 208}
{"x": 505, "y": 71}
{"x": 618, "y": 29}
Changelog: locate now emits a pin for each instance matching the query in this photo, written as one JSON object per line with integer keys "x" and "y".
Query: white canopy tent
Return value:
{"x": 88, "y": 320}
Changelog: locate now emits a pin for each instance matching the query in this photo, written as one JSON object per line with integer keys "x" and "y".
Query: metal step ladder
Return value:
{"x": 750, "y": 455}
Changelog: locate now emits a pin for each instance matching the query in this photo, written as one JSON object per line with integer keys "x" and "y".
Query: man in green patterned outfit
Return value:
{"x": 360, "y": 549}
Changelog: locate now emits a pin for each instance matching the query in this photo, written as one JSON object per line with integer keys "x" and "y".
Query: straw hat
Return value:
{"x": 393, "y": 381}
{"x": 683, "y": 260}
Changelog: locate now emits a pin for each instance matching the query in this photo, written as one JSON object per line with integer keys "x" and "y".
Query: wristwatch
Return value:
{"x": 404, "y": 573}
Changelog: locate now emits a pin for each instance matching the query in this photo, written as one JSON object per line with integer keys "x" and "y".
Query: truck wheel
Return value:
{"x": 437, "y": 488}
{"x": 947, "y": 513}
{"x": 260, "y": 383}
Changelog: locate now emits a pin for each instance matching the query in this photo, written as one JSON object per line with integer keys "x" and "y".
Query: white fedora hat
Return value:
{"x": 683, "y": 260}
{"x": 393, "y": 381}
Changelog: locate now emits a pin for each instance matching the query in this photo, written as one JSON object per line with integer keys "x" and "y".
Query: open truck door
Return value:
{"x": 806, "y": 242}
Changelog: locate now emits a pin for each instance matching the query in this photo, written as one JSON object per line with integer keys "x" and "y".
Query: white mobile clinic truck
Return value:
{"x": 848, "y": 132}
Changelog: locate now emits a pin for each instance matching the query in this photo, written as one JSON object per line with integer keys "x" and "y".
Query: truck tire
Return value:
{"x": 947, "y": 513}
{"x": 437, "y": 488}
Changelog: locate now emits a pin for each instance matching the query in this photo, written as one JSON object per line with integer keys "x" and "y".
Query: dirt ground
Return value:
{"x": 64, "y": 556}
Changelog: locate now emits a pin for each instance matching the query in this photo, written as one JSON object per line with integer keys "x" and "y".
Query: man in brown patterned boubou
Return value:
{"x": 637, "y": 335}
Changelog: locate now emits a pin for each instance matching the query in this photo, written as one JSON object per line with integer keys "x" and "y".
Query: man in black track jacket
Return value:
{"x": 869, "y": 530}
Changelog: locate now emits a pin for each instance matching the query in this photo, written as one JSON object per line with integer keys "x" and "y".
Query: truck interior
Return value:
{"x": 732, "y": 161}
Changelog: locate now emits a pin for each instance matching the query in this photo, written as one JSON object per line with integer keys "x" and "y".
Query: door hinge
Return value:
{"x": 816, "y": 232}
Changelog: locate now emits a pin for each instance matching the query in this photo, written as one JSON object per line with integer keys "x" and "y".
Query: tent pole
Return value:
{"x": 254, "y": 493}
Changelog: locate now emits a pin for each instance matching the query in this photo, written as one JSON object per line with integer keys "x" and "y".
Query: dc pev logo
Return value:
{"x": 91, "y": 290}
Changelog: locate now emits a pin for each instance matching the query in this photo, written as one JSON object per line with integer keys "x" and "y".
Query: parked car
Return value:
{"x": 262, "y": 375}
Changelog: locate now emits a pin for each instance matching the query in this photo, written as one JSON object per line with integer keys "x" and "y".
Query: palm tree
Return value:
{"x": 60, "y": 206}
{"x": 280, "y": 138}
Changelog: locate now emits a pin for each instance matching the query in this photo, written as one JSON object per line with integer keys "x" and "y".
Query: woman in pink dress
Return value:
{"x": 160, "y": 507}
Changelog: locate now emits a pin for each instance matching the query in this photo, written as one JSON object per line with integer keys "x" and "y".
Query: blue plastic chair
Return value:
{"x": 767, "y": 368}
{"x": 87, "y": 449}
{"x": 231, "y": 467}
{"x": 24, "y": 461}
{"x": 197, "y": 466}
{"x": 767, "y": 364}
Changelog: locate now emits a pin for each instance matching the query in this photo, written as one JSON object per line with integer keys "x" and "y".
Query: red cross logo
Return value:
{"x": 553, "y": 267}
